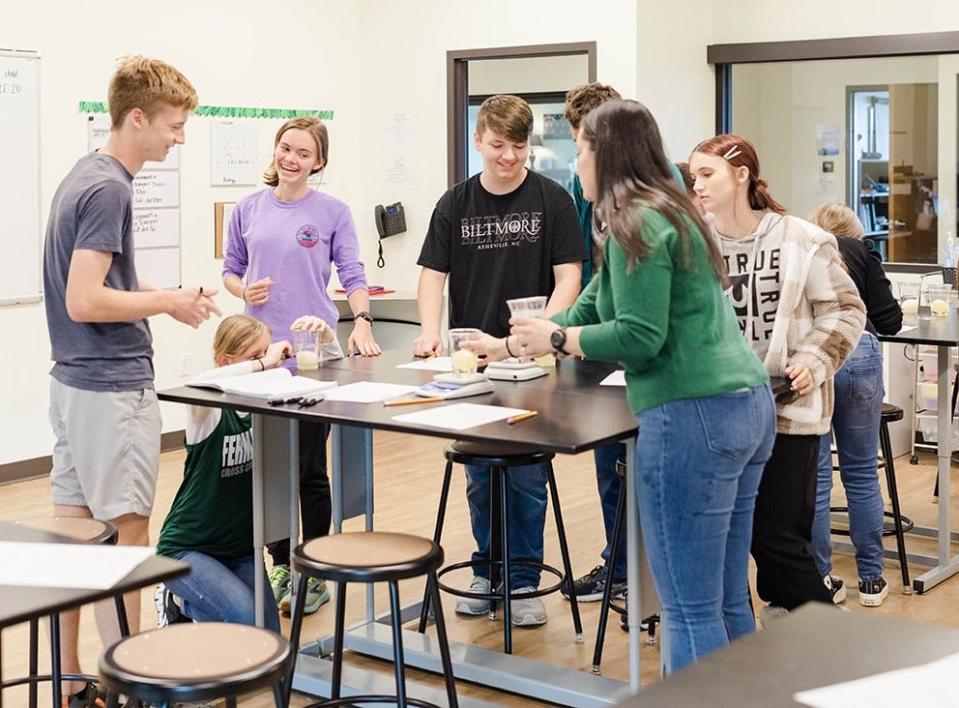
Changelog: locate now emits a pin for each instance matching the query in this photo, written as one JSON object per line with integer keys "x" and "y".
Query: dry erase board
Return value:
{"x": 20, "y": 238}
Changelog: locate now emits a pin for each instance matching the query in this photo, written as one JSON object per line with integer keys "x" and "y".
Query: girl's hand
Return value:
{"x": 309, "y": 323}
{"x": 361, "y": 339}
{"x": 276, "y": 353}
{"x": 259, "y": 292}
{"x": 802, "y": 379}
{"x": 486, "y": 345}
{"x": 531, "y": 335}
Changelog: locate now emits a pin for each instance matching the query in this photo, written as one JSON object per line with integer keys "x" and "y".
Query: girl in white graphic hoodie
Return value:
{"x": 802, "y": 315}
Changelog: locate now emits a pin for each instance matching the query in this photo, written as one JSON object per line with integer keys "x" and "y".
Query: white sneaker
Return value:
{"x": 474, "y": 606}
{"x": 836, "y": 587}
{"x": 527, "y": 612}
{"x": 770, "y": 613}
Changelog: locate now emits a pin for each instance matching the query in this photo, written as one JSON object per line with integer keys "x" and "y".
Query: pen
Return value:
{"x": 412, "y": 401}
{"x": 520, "y": 417}
{"x": 282, "y": 401}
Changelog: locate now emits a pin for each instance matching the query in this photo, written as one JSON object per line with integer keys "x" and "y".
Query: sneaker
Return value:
{"x": 475, "y": 606}
{"x": 837, "y": 588}
{"x": 529, "y": 611}
{"x": 280, "y": 579}
{"x": 317, "y": 595}
{"x": 872, "y": 592}
{"x": 770, "y": 613}
{"x": 168, "y": 612}
{"x": 591, "y": 586}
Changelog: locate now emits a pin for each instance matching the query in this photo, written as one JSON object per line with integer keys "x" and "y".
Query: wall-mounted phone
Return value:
{"x": 390, "y": 220}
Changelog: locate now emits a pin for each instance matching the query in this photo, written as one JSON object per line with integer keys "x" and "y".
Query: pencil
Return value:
{"x": 521, "y": 417}
{"x": 412, "y": 401}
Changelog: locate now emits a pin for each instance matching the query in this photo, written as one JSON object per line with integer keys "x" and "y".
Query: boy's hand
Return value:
{"x": 192, "y": 306}
{"x": 428, "y": 345}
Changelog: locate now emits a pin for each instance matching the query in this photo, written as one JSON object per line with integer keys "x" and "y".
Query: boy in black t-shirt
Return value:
{"x": 504, "y": 233}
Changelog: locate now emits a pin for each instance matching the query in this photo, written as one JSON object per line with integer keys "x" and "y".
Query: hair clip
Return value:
{"x": 732, "y": 152}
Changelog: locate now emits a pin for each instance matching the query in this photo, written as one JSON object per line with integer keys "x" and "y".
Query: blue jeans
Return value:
{"x": 698, "y": 466}
{"x": 527, "y": 512}
{"x": 855, "y": 422}
{"x": 610, "y": 485}
{"x": 221, "y": 591}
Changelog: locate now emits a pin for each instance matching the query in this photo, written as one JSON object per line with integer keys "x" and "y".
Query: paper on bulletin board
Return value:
{"x": 156, "y": 228}
{"x": 233, "y": 152}
{"x": 827, "y": 139}
{"x": 157, "y": 188}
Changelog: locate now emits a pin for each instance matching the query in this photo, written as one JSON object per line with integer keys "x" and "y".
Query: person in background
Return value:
{"x": 283, "y": 241}
{"x": 802, "y": 315}
{"x": 210, "y": 523}
{"x": 504, "y": 233}
{"x": 856, "y": 417}
{"x": 103, "y": 406}
{"x": 700, "y": 395}
{"x": 589, "y": 587}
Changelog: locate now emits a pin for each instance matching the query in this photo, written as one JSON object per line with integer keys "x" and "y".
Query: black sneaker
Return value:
{"x": 591, "y": 586}
{"x": 872, "y": 592}
{"x": 835, "y": 585}
{"x": 168, "y": 612}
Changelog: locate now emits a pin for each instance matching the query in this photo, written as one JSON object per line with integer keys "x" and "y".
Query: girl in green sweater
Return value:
{"x": 702, "y": 398}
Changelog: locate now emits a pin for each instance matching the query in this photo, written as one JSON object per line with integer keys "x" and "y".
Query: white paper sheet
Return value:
{"x": 931, "y": 685}
{"x": 436, "y": 363}
{"x": 617, "y": 378}
{"x": 906, "y": 329}
{"x": 460, "y": 416}
{"x": 368, "y": 392}
{"x": 68, "y": 565}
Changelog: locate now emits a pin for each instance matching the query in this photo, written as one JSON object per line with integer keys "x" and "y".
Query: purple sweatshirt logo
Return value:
{"x": 308, "y": 236}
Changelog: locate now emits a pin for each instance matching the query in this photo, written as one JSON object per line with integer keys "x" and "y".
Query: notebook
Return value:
{"x": 273, "y": 383}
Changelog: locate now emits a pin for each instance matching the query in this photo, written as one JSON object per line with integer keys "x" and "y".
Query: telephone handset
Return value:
{"x": 390, "y": 220}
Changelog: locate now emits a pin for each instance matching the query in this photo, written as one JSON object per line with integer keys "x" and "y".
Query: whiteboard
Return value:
{"x": 21, "y": 241}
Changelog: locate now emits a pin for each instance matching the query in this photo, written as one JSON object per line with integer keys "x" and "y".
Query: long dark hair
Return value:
{"x": 633, "y": 173}
{"x": 739, "y": 152}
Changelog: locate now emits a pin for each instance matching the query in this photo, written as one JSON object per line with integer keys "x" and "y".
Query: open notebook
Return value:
{"x": 274, "y": 383}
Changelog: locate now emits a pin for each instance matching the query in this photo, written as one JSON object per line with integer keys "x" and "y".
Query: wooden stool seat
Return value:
{"x": 891, "y": 413}
{"x": 195, "y": 661}
{"x": 78, "y": 529}
{"x": 501, "y": 454}
{"x": 368, "y": 557}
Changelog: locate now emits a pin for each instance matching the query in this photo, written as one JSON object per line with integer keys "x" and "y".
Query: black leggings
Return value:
{"x": 316, "y": 506}
{"x": 782, "y": 525}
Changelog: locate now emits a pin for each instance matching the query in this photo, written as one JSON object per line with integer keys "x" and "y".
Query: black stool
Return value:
{"x": 500, "y": 458}
{"x": 900, "y": 524}
{"x": 195, "y": 662}
{"x": 607, "y": 603}
{"x": 71, "y": 529}
{"x": 371, "y": 557}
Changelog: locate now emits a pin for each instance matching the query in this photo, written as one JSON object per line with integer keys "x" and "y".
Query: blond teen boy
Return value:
{"x": 504, "y": 233}
{"x": 103, "y": 408}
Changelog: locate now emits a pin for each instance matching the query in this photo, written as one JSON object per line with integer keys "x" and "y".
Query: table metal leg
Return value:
{"x": 948, "y": 565}
{"x": 633, "y": 539}
{"x": 259, "y": 495}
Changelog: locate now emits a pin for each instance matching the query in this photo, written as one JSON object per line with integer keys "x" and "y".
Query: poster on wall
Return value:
{"x": 827, "y": 139}
{"x": 234, "y": 160}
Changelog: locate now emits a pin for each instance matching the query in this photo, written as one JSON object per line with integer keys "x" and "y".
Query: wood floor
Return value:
{"x": 406, "y": 495}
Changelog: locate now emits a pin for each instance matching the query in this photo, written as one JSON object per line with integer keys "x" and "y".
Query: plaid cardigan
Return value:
{"x": 819, "y": 320}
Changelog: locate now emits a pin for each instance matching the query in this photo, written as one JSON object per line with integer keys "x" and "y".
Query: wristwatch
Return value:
{"x": 364, "y": 315}
{"x": 558, "y": 340}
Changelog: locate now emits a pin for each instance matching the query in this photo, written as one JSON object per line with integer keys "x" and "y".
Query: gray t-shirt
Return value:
{"x": 753, "y": 267}
{"x": 93, "y": 210}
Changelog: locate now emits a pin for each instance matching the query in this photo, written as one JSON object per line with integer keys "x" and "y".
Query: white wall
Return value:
{"x": 527, "y": 74}
{"x": 247, "y": 53}
{"x": 672, "y": 77}
{"x": 403, "y": 50}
